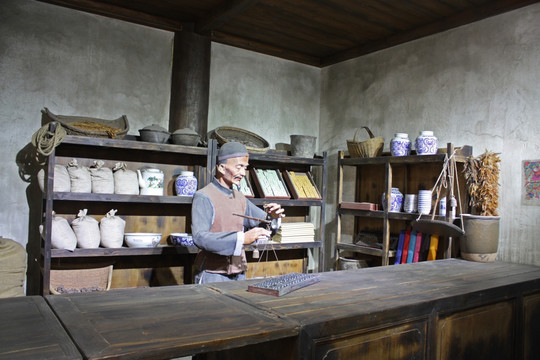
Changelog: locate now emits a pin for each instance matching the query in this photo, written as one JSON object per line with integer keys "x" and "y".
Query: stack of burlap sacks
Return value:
{"x": 12, "y": 268}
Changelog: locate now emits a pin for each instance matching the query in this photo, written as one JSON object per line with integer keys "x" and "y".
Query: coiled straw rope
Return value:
{"x": 45, "y": 141}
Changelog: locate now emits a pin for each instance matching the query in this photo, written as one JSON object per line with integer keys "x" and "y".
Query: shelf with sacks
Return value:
{"x": 153, "y": 213}
{"x": 373, "y": 176}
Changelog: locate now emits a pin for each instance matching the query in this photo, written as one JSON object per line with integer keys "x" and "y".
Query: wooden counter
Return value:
{"x": 29, "y": 330}
{"x": 446, "y": 309}
{"x": 164, "y": 322}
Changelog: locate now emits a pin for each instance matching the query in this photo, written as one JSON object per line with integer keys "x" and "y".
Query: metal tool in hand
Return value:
{"x": 271, "y": 225}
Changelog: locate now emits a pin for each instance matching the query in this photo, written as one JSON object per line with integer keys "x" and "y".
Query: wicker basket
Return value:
{"x": 120, "y": 125}
{"x": 252, "y": 141}
{"x": 369, "y": 148}
{"x": 81, "y": 278}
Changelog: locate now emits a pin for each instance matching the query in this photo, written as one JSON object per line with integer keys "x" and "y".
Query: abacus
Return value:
{"x": 283, "y": 284}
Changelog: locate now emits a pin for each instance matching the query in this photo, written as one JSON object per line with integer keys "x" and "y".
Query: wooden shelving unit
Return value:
{"x": 373, "y": 177}
{"x": 161, "y": 212}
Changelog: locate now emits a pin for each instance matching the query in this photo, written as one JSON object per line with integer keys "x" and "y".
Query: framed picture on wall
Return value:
{"x": 270, "y": 184}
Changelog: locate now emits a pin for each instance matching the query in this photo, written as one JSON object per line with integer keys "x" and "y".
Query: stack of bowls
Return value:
{"x": 424, "y": 201}
{"x": 409, "y": 204}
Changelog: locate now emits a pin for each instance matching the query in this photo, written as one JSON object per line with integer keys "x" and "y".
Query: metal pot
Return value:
{"x": 187, "y": 137}
{"x": 154, "y": 133}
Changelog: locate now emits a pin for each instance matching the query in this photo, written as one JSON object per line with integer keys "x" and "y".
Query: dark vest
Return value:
{"x": 224, "y": 220}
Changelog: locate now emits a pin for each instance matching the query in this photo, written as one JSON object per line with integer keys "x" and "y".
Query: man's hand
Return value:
{"x": 254, "y": 234}
{"x": 274, "y": 210}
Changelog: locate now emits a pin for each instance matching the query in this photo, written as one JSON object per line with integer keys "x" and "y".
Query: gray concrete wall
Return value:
{"x": 75, "y": 64}
{"x": 271, "y": 97}
{"x": 477, "y": 85}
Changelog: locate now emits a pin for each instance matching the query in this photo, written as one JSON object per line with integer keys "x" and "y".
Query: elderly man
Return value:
{"x": 218, "y": 233}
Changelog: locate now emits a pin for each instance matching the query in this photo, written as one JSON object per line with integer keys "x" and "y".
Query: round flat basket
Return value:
{"x": 253, "y": 142}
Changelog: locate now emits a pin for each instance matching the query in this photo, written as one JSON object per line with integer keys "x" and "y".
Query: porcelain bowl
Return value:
{"x": 142, "y": 239}
{"x": 181, "y": 239}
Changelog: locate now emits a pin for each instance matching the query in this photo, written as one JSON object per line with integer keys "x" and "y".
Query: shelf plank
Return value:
{"x": 365, "y": 250}
{"x": 131, "y": 150}
{"x": 287, "y": 202}
{"x": 71, "y": 196}
{"x": 284, "y": 246}
{"x": 166, "y": 250}
{"x": 285, "y": 159}
{"x": 411, "y": 159}
{"x": 381, "y": 214}
{"x": 132, "y": 144}
{"x": 123, "y": 251}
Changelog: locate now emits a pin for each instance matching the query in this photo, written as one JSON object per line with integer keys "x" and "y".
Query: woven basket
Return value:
{"x": 121, "y": 125}
{"x": 81, "y": 278}
{"x": 252, "y": 141}
{"x": 369, "y": 148}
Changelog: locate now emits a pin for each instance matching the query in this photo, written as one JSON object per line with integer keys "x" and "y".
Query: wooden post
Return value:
{"x": 190, "y": 81}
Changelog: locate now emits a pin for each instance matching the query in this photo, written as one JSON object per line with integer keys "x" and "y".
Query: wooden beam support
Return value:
{"x": 190, "y": 81}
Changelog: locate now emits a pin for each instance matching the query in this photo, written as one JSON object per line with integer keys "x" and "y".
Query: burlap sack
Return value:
{"x": 62, "y": 183}
{"x": 86, "y": 229}
{"x": 79, "y": 175}
{"x": 62, "y": 235}
{"x": 102, "y": 178}
{"x": 125, "y": 181}
{"x": 12, "y": 268}
{"x": 111, "y": 229}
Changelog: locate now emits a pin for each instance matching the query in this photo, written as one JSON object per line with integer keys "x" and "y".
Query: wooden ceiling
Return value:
{"x": 314, "y": 32}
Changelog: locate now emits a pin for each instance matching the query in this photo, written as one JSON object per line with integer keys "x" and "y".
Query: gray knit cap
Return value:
{"x": 230, "y": 150}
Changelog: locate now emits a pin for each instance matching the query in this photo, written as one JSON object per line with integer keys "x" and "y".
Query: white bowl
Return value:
{"x": 142, "y": 239}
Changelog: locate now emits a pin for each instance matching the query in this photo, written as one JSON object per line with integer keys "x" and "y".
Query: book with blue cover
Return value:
{"x": 399, "y": 250}
{"x": 412, "y": 245}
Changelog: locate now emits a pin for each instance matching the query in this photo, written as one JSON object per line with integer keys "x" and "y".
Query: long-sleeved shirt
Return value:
{"x": 202, "y": 217}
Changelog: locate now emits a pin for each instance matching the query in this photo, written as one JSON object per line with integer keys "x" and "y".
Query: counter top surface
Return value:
{"x": 29, "y": 330}
{"x": 174, "y": 321}
{"x": 365, "y": 292}
{"x": 164, "y": 322}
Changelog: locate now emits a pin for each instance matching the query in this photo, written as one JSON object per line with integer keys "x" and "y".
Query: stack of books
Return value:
{"x": 295, "y": 232}
{"x": 415, "y": 246}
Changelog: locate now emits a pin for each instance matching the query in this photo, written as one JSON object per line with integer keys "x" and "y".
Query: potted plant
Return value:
{"x": 481, "y": 239}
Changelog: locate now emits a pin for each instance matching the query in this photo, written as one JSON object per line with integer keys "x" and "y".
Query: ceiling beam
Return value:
{"x": 217, "y": 18}
{"x": 462, "y": 18}
{"x": 120, "y": 13}
{"x": 263, "y": 48}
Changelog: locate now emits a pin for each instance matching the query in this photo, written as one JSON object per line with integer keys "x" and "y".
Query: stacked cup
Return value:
{"x": 424, "y": 201}
{"x": 410, "y": 205}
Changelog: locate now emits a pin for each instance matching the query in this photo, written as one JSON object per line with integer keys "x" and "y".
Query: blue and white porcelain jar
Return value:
{"x": 186, "y": 184}
{"x": 426, "y": 143}
{"x": 400, "y": 145}
{"x": 396, "y": 200}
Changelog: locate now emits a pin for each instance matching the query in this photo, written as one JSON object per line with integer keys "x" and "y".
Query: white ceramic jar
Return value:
{"x": 426, "y": 143}
{"x": 396, "y": 200}
{"x": 400, "y": 145}
{"x": 186, "y": 184}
